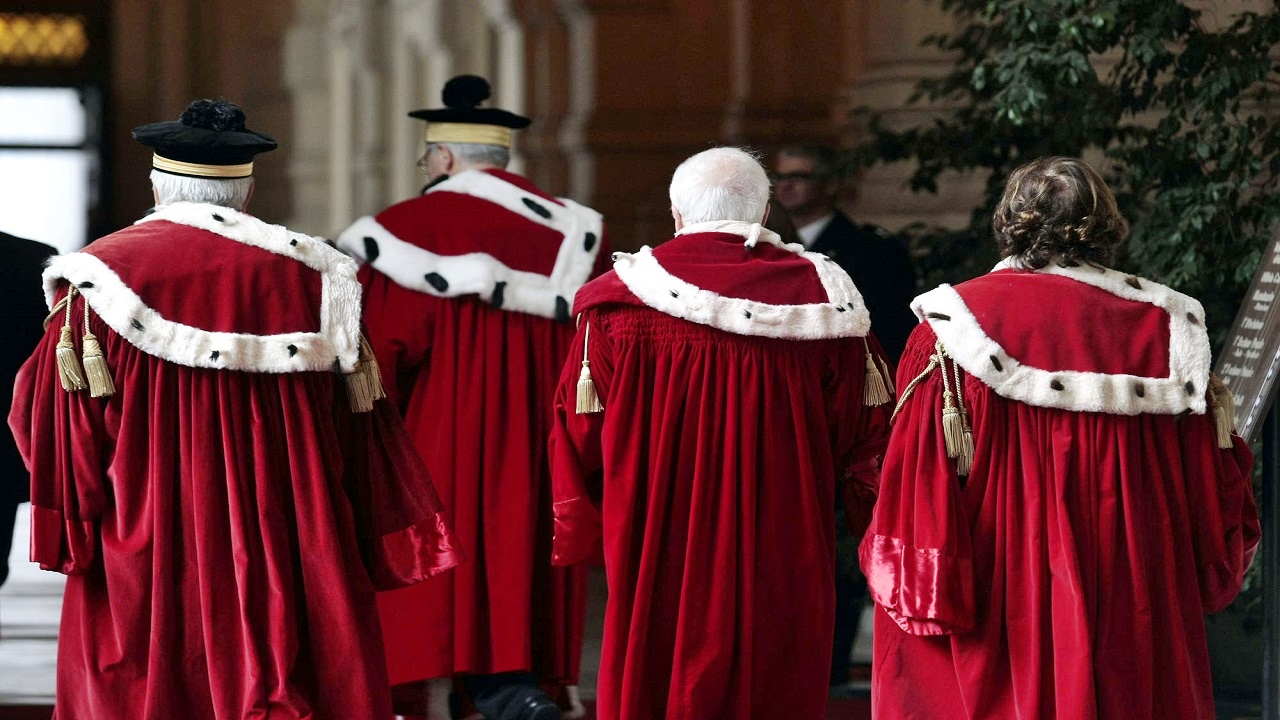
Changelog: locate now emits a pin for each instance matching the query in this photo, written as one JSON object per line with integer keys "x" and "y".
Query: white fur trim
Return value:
{"x": 844, "y": 315}
{"x": 1189, "y": 360}
{"x": 478, "y": 273}
{"x": 119, "y": 307}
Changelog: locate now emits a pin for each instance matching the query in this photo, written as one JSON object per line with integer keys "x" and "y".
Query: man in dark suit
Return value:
{"x": 806, "y": 186}
{"x": 23, "y": 303}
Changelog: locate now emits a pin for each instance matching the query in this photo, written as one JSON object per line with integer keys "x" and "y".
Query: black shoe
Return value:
{"x": 538, "y": 707}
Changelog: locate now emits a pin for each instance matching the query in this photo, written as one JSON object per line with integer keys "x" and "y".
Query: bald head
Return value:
{"x": 720, "y": 184}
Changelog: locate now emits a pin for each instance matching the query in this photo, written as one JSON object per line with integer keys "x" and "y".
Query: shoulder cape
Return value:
{"x": 1090, "y": 339}
{"x": 334, "y": 344}
{"x": 436, "y": 271}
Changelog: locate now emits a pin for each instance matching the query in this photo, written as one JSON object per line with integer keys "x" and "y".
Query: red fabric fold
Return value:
{"x": 61, "y": 544}
{"x": 415, "y": 554}
{"x": 577, "y": 532}
{"x": 923, "y": 590}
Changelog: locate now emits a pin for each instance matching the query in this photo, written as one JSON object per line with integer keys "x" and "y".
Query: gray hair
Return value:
{"x": 477, "y": 154}
{"x": 724, "y": 183}
{"x": 227, "y": 192}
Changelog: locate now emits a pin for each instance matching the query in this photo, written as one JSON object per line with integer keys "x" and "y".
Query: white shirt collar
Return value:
{"x": 810, "y": 232}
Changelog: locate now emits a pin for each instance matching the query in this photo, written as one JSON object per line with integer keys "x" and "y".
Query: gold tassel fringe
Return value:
{"x": 69, "y": 372}
{"x": 364, "y": 384}
{"x": 588, "y": 398}
{"x": 373, "y": 373}
{"x": 952, "y": 427}
{"x": 874, "y": 391}
{"x": 1224, "y": 411}
{"x": 359, "y": 394}
{"x": 95, "y": 367}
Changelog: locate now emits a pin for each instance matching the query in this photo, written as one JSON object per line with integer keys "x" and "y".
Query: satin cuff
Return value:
{"x": 925, "y": 591}
{"x": 416, "y": 553}
{"x": 577, "y": 532}
{"x": 61, "y": 544}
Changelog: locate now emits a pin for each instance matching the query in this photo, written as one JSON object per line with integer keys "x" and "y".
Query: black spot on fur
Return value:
{"x": 537, "y": 207}
{"x": 674, "y": 294}
{"x": 293, "y": 350}
{"x": 370, "y": 249}
{"x": 828, "y": 258}
{"x": 937, "y": 316}
{"x": 214, "y": 355}
{"x": 589, "y": 241}
{"x": 136, "y": 325}
{"x": 1190, "y": 388}
{"x": 562, "y": 309}
{"x": 498, "y": 290}
{"x": 746, "y": 314}
{"x": 995, "y": 362}
{"x": 1056, "y": 385}
{"x": 437, "y": 281}
{"x": 1194, "y": 320}
{"x": 85, "y": 286}
{"x": 839, "y": 309}
{"x": 219, "y": 218}
{"x": 1133, "y": 282}
{"x": 294, "y": 242}
{"x": 1140, "y": 390}
{"x": 614, "y": 256}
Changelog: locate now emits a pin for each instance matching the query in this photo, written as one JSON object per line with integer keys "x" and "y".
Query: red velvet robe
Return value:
{"x": 467, "y": 296}
{"x": 1068, "y": 574}
{"x": 223, "y": 529}
{"x": 711, "y": 474}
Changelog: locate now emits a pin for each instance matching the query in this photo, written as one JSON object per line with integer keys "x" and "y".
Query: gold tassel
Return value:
{"x": 69, "y": 372}
{"x": 888, "y": 376}
{"x": 359, "y": 395}
{"x": 95, "y": 363}
{"x": 1224, "y": 410}
{"x": 956, "y": 433}
{"x": 874, "y": 391}
{"x": 588, "y": 398}
{"x": 373, "y": 373}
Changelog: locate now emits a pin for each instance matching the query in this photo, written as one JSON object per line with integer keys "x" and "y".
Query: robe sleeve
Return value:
{"x": 917, "y": 554}
{"x": 399, "y": 517}
{"x": 399, "y": 324}
{"x": 1220, "y": 496}
{"x": 65, "y": 441}
{"x": 859, "y": 433}
{"x": 577, "y": 462}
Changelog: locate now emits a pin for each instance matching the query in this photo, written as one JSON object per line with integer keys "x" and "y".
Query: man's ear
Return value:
{"x": 252, "y": 185}
{"x": 768, "y": 207}
{"x": 450, "y": 163}
{"x": 675, "y": 215}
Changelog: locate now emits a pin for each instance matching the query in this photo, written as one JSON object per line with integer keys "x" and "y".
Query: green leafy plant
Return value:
{"x": 1177, "y": 102}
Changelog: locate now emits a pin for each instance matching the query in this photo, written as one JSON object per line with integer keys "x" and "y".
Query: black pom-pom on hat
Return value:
{"x": 462, "y": 96}
{"x": 213, "y": 115}
{"x": 465, "y": 91}
{"x": 209, "y": 132}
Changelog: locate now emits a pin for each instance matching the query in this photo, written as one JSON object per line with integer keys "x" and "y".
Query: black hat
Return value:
{"x": 208, "y": 141}
{"x": 462, "y": 120}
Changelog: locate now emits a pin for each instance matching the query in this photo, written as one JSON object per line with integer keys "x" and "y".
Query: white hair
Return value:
{"x": 724, "y": 183}
{"x": 227, "y": 192}
{"x": 477, "y": 153}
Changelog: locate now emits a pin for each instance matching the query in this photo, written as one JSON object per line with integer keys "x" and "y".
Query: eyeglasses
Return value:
{"x": 794, "y": 176}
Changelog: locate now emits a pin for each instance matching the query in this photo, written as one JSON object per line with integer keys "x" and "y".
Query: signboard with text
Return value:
{"x": 1251, "y": 358}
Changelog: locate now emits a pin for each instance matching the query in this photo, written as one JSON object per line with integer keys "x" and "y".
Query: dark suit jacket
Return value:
{"x": 22, "y": 311}
{"x": 881, "y": 268}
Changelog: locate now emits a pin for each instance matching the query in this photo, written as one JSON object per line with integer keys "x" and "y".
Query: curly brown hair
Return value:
{"x": 1058, "y": 209}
